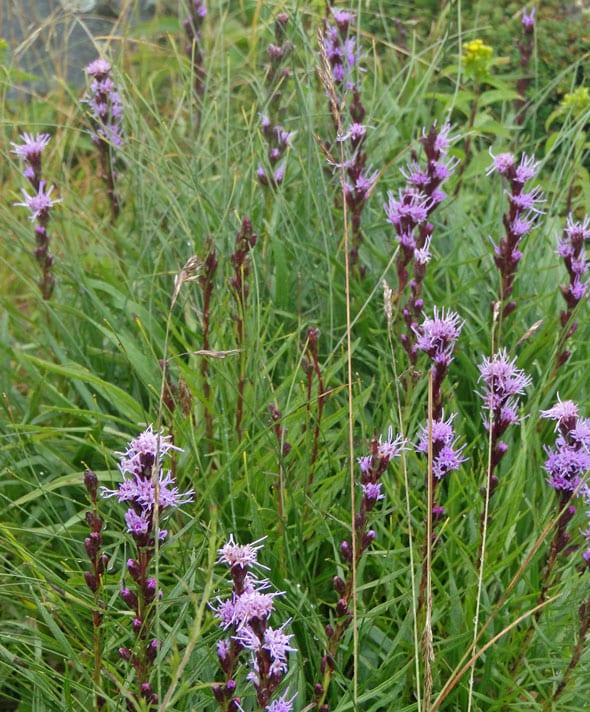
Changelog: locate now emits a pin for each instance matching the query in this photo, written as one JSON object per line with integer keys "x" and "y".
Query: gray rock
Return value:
{"x": 56, "y": 39}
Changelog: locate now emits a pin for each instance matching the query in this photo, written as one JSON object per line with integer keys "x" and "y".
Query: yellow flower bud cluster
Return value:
{"x": 477, "y": 59}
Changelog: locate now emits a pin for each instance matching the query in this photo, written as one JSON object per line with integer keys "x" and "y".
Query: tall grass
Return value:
{"x": 310, "y": 363}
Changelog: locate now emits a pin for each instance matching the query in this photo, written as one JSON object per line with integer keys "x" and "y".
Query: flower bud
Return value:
{"x": 129, "y": 597}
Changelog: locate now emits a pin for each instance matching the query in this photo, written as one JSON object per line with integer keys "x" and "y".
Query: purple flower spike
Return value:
{"x": 245, "y": 614}
{"x": 572, "y": 248}
{"x": 106, "y": 118}
{"x": 528, "y": 21}
{"x": 437, "y": 336}
{"x": 446, "y": 456}
{"x": 520, "y": 219}
{"x": 504, "y": 383}
{"x": 138, "y": 488}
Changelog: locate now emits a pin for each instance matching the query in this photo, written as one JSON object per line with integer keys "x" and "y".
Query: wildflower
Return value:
{"x": 437, "y": 336}
{"x": 106, "y": 118}
{"x": 568, "y": 462}
{"x": 446, "y": 456}
{"x": 31, "y": 150}
{"x": 281, "y": 704}
{"x": 246, "y": 613}
{"x": 576, "y": 102}
{"x": 503, "y": 380}
{"x": 39, "y": 204}
{"x": 528, "y": 21}
{"x": 142, "y": 489}
{"x": 477, "y": 59}
{"x": 521, "y": 218}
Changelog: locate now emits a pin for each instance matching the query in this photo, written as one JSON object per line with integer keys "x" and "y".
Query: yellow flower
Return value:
{"x": 477, "y": 59}
{"x": 578, "y": 102}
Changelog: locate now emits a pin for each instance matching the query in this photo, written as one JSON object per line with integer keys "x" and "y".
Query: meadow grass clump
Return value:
{"x": 441, "y": 568}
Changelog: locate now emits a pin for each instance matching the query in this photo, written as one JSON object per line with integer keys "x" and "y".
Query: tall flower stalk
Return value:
{"x": 94, "y": 577}
{"x": 566, "y": 465}
{"x": 151, "y": 494}
{"x": 521, "y": 218}
{"x": 39, "y": 204}
{"x": 525, "y": 49}
{"x": 409, "y": 214}
{"x": 343, "y": 55}
{"x": 244, "y": 615}
{"x": 193, "y": 26}
{"x": 572, "y": 248}
{"x": 106, "y": 117}
{"x": 372, "y": 468}
{"x": 240, "y": 259}
{"x": 278, "y": 140}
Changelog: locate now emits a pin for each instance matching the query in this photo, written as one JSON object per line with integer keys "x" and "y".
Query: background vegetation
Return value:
{"x": 81, "y": 373}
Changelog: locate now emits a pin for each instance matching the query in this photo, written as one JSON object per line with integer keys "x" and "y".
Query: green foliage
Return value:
{"x": 82, "y": 373}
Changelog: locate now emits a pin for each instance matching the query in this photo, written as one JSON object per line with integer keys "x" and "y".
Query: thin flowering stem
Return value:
{"x": 525, "y": 47}
{"x": 39, "y": 204}
{"x": 372, "y": 468}
{"x": 106, "y": 117}
{"x": 193, "y": 25}
{"x": 245, "y": 614}
{"x": 327, "y": 79}
{"x": 98, "y": 564}
{"x": 148, "y": 491}
{"x": 572, "y": 248}
{"x": 409, "y": 213}
{"x": 567, "y": 465}
{"x": 240, "y": 260}
{"x": 207, "y": 282}
{"x": 522, "y": 217}
{"x": 312, "y": 367}
{"x": 284, "y": 447}
{"x": 278, "y": 140}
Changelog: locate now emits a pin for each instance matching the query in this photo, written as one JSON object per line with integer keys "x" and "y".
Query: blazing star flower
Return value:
{"x": 569, "y": 461}
{"x": 244, "y": 555}
{"x": 446, "y": 456}
{"x": 281, "y": 704}
{"x": 32, "y": 147}
{"x": 437, "y": 336}
{"x": 503, "y": 380}
{"x": 409, "y": 210}
{"x": 528, "y": 21}
{"x": 140, "y": 490}
{"x": 39, "y": 204}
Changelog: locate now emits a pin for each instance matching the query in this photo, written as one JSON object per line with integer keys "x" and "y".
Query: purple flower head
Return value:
{"x": 40, "y": 203}
{"x": 244, "y": 555}
{"x": 31, "y": 147}
{"x": 527, "y": 168}
{"x": 409, "y": 210}
{"x": 528, "y": 21}
{"x": 566, "y": 467}
{"x": 446, "y": 456}
{"x": 437, "y": 336}
{"x": 252, "y": 605}
{"x": 527, "y": 201}
{"x": 391, "y": 447}
{"x": 504, "y": 164}
{"x": 141, "y": 489}
{"x": 281, "y": 704}
{"x": 422, "y": 254}
{"x": 99, "y": 68}
{"x": 278, "y": 644}
{"x": 502, "y": 379}
{"x": 577, "y": 232}
{"x": 565, "y": 413}
{"x": 372, "y": 491}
